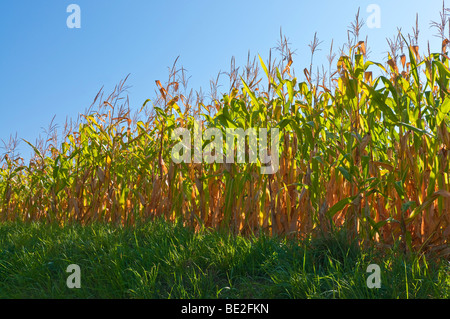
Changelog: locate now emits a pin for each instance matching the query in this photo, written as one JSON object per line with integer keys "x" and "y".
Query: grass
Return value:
{"x": 165, "y": 260}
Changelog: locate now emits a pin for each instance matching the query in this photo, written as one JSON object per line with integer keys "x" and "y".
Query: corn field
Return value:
{"x": 360, "y": 151}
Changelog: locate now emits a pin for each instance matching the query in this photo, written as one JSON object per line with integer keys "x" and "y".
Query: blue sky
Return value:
{"x": 47, "y": 69}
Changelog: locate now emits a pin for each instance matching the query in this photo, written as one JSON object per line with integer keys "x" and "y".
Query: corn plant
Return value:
{"x": 367, "y": 153}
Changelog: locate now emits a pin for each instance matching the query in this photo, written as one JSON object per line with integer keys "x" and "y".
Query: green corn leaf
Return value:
{"x": 264, "y": 67}
{"x": 250, "y": 93}
{"x": 339, "y": 206}
{"x": 34, "y": 149}
{"x": 345, "y": 173}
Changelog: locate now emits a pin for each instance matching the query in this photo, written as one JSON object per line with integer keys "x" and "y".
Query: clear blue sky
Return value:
{"x": 47, "y": 69}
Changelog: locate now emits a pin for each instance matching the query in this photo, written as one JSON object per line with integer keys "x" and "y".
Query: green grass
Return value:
{"x": 163, "y": 260}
